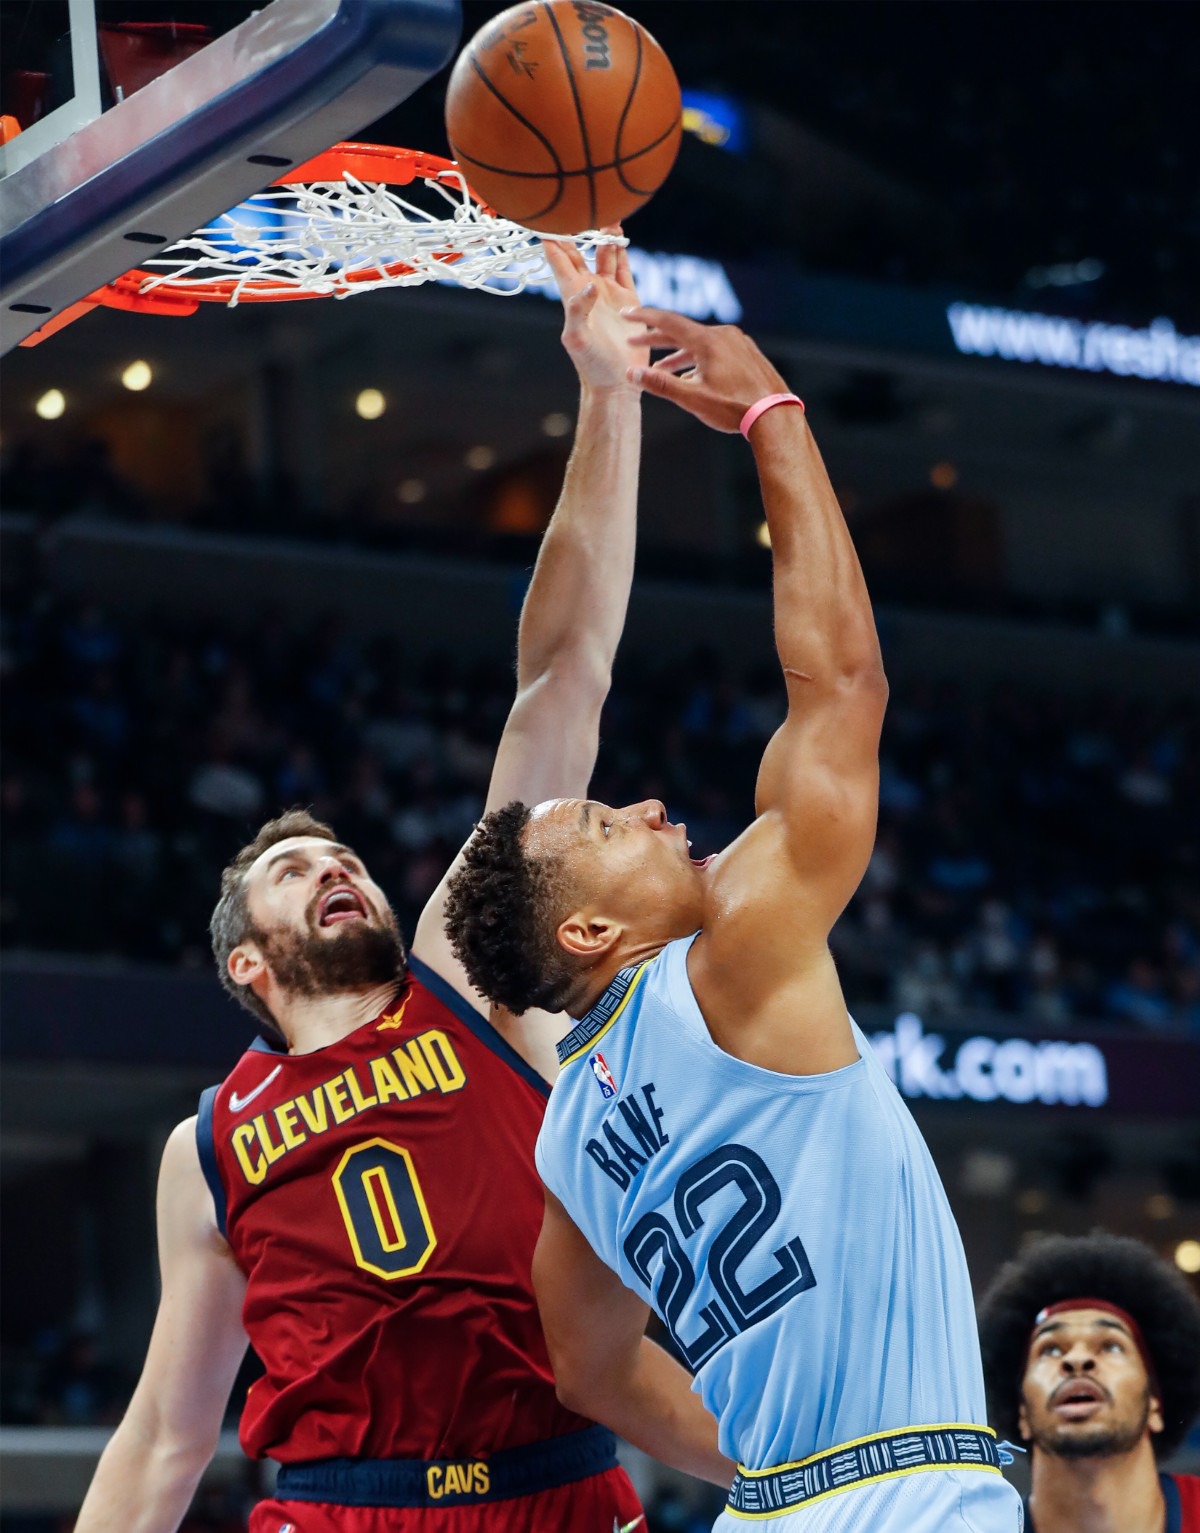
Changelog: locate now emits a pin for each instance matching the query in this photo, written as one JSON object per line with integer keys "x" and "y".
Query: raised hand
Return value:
{"x": 596, "y": 332}
{"x": 714, "y": 372}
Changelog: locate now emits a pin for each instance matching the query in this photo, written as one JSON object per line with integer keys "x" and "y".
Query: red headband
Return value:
{"x": 1118, "y": 1313}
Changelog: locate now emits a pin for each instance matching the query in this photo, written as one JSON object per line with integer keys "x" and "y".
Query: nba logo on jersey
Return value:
{"x": 604, "y": 1076}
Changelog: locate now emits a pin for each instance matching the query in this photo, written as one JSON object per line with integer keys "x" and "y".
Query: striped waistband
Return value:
{"x": 450, "y": 1482}
{"x": 882, "y": 1456}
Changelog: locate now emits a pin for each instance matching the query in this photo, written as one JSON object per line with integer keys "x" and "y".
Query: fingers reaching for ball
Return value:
{"x": 624, "y": 272}
{"x": 596, "y": 332}
{"x": 571, "y": 271}
{"x": 606, "y": 258}
{"x": 565, "y": 260}
{"x": 678, "y": 362}
{"x": 612, "y": 261}
{"x": 664, "y": 327}
{"x": 715, "y": 372}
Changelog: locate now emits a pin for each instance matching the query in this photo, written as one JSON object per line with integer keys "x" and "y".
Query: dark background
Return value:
{"x": 230, "y": 592}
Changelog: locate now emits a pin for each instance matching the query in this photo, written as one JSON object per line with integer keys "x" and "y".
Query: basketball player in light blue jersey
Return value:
{"x": 721, "y": 1142}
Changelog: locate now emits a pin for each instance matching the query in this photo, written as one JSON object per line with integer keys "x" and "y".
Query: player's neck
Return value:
{"x": 596, "y": 980}
{"x": 314, "y": 1022}
{"x": 1115, "y": 1494}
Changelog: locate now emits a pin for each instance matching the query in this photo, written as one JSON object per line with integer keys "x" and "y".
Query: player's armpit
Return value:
{"x": 605, "y": 1366}
{"x": 148, "y": 1472}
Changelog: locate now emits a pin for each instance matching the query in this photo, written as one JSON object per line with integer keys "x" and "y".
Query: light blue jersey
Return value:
{"x": 790, "y": 1231}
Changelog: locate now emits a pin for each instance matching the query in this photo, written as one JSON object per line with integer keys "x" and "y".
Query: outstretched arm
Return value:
{"x": 604, "y": 1364}
{"x": 574, "y": 610}
{"x": 153, "y": 1462}
{"x": 795, "y": 869}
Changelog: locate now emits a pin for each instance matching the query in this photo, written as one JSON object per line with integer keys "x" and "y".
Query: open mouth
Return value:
{"x": 341, "y": 904}
{"x": 1078, "y": 1400}
{"x": 696, "y": 862}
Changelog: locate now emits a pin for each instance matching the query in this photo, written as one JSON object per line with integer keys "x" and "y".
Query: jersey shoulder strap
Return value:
{"x": 475, "y": 1022}
{"x": 206, "y": 1145}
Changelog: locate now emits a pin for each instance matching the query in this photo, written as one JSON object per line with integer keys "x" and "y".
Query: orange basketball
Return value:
{"x": 564, "y": 115}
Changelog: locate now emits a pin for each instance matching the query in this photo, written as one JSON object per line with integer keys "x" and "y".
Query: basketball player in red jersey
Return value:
{"x": 361, "y": 1202}
{"x": 1091, "y": 1351}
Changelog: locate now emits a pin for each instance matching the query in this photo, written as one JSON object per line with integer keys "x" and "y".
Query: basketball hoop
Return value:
{"x": 332, "y": 227}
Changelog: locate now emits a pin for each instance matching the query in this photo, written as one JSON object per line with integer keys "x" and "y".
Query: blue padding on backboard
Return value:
{"x": 141, "y": 168}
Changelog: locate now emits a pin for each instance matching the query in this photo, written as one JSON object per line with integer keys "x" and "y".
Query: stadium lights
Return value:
{"x": 556, "y": 423}
{"x": 51, "y": 405}
{"x": 763, "y": 535}
{"x": 714, "y": 119}
{"x": 943, "y": 476}
{"x": 370, "y": 404}
{"x": 410, "y": 492}
{"x": 1187, "y": 1256}
{"x": 480, "y": 458}
{"x": 137, "y": 376}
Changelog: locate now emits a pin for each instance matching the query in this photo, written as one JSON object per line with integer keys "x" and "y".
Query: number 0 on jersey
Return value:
{"x": 384, "y": 1209}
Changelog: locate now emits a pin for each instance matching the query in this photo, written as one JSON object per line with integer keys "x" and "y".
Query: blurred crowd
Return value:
{"x": 64, "y": 1377}
{"x": 1037, "y": 856}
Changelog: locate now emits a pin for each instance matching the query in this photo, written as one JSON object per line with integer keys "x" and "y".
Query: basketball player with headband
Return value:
{"x": 722, "y": 1143}
{"x": 359, "y": 1201}
{"x": 1091, "y": 1352}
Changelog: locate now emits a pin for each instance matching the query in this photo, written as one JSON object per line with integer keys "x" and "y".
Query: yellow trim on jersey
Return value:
{"x": 857, "y": 1442}
{"x": 840, "y": 1490}
{"x": 870, "y": 1479}
{"x": 596, "y": 1037}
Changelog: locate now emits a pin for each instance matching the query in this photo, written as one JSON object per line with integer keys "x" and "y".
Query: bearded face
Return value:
{"x": 354, "y": 957}
{"x": 1086, "y": 1392}
{"x": 1115, "y": 1430}
{"x": 319, "y": 922}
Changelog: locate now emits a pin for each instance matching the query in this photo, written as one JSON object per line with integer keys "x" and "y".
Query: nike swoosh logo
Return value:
{"x": 236, "y": 1103}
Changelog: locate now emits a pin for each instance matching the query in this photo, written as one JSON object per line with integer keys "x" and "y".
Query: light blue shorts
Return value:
{"x": 936, "y": 1501}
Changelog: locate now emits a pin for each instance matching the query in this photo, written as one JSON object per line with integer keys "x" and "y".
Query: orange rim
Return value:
{"x": 381, "y": 163}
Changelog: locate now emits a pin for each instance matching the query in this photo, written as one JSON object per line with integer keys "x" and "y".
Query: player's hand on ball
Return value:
{"x": 597, "y": 333}
{"x": 715, "y": 372}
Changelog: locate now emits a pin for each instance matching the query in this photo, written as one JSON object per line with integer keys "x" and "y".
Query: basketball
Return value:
{"x": 564, "y": 115}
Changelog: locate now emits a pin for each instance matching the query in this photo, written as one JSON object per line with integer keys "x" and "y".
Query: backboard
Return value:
{"x": 140, "y": 123}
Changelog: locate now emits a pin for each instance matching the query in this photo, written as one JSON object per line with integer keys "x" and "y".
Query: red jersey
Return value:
{"x": 1187, "y": 1495}
{"x": 380, "y": 1196}
{"x": 1181, "y": 1493}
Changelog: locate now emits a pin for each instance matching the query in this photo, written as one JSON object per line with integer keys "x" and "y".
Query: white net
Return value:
{"x": 336, "y": 238}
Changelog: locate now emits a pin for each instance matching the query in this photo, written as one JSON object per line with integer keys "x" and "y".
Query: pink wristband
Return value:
{"x": 767, "y": 402}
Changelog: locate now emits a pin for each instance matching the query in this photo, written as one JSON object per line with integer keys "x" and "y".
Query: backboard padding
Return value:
{"x": 283, "y": 85}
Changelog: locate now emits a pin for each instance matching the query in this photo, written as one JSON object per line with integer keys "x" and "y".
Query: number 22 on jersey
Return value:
{"x": 659, "y": 1239}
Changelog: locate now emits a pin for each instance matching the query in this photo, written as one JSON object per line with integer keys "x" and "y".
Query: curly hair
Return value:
{"x": 1123, "y": 1272}
{"x": 502, "y": 911}
{"x": 231, "y": 924}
